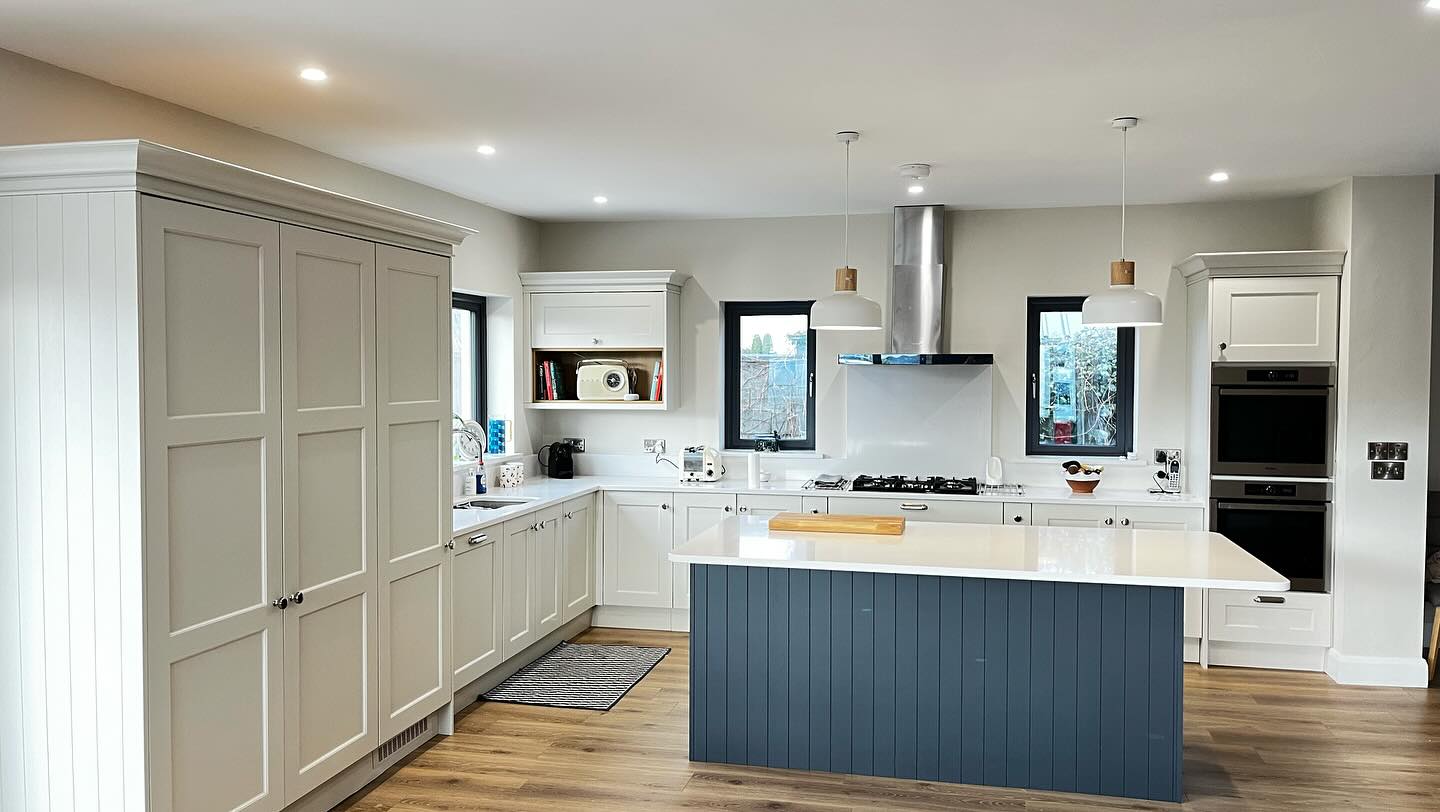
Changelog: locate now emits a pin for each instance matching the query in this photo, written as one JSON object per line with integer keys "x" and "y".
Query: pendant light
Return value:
{"x": 1123, "y": 305}
{"x": 845, "y": 309}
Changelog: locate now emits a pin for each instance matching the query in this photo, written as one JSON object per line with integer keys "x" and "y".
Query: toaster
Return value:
{"x": 603, "y": 379}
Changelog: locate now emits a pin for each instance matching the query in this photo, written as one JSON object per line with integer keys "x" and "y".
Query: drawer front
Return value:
{"x": 1073, "y": 515}
{"x": 597, "y": 320}
{"x": 815, "y": 504}
{"x": 1290, "y": 618}
{"x": 765, "y": 506}
{"x": 1017, "y": 513}
{"x": 921, "y": 510}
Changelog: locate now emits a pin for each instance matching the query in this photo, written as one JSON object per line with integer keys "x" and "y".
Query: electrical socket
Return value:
{"x": 577, "y": 444}
{"x": 655, "y": 446}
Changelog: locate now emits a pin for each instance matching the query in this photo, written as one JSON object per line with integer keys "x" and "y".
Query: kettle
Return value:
{"x": 559, "y": 461}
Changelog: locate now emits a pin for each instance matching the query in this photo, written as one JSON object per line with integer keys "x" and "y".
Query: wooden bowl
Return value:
{"x": 1083, "y": 484}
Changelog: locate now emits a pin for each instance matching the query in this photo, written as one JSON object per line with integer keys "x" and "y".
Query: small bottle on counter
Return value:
{"x": 479, "y": 475}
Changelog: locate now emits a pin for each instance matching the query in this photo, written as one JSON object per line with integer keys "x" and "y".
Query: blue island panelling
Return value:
{"x": 1033, "y": 684}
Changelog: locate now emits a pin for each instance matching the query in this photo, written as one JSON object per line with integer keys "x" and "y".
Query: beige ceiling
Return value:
{"x": 725, "y": 108}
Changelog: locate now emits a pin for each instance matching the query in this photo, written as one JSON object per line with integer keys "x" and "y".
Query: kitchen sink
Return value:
{"x": 489, "y": 504}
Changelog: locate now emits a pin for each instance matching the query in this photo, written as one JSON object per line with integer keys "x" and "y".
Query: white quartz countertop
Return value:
{"x": 1069, "y": 554}
{"x": 541, "y": 492}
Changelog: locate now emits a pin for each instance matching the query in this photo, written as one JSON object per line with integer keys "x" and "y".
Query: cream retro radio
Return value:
{"x": 603, "y": 379}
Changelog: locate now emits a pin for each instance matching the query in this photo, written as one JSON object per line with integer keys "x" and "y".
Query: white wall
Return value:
{"x": 997, "y": 259}
{"x": 41, "y": 103}
{"x": 1385, "y": 318}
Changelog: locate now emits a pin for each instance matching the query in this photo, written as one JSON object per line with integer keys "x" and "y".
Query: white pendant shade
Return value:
{"x": 845, "y": 310}
{"x": 1121, "y": 306}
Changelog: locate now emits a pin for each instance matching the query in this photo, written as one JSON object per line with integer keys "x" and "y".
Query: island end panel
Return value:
{"x": 1028, "y": 684}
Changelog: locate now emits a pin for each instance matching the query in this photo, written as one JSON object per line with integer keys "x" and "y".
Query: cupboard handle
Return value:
{"x": 450, "y": 545}
{"x": 814, "y": 510}
{"x": 914, "y": 506}
{"x": 282, "y": 602}
{"x": 569, "y": 516}
{"x": 727, "y": 508}
{"x": 480, "y": 539}
{"x": 1109, "y": 522}
{"x": 1019, "y": 519}
{"x": 744, "y": 509}
{"x": 1124, "y": 522}
{"x": 594, "y": 341}
{"x": 298, "y": 598}
{"x": 1269, "y": 599}
{"x": 664, "y": 506}
{"x": 1223, "y": 346}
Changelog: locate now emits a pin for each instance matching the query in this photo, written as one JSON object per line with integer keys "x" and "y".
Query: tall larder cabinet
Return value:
{"x": 226, "y": 396}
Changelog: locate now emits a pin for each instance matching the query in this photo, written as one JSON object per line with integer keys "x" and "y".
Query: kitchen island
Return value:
{"x": 1033, "y": 657}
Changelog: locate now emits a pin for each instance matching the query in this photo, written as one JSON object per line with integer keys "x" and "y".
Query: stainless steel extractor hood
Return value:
{"x": 915, "y": 330}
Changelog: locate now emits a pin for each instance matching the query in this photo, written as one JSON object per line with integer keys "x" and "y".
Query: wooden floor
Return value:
{"x": 1262, "y": 740}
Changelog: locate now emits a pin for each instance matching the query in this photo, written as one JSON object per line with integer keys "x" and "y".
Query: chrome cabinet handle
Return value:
{"x": 1269, "y": 599}
{"x": 744, "y": 509}
{"x": 298, "y": 598}
{"x": 569, "y": 515}
{"x": 1019, "y": 519}
{"x": 1109, "y": 522}
{"x": 282, "y": 602}
{"x": 814, "y": 510}
{"x": 1124, "y": 522}
{"x": 727, "y": 508}
{"x": 664, "y": 506}
{"x": 1223, "y": 346}
{"x": 594, "y": 341}
{"x": 480, "y": 539}
{"x": 450, "y": 545}
{"x": 913, "y": 506}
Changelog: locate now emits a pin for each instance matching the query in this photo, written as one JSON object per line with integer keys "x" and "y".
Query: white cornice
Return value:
{"x": 604, "y": 280}
{"x": 142, "y": 166}
{"x": 1261, "y": 263}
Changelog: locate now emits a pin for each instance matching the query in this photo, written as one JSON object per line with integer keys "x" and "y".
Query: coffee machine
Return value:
{"x": 558, "y": 461}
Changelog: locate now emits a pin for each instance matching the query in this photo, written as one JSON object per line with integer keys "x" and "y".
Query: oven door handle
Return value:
{"x": 1271, "y": 506}
{"x": 1299, "y": 391}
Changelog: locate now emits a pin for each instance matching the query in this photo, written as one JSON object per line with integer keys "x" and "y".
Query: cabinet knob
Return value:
{"x": 594, "y": 341}
{"x": 450, "y": 545}
{"x": 744, "y": 509}
{"x": 814, "y": 510}
{"x": 664, "y": 506}
{"x": 569, "y": 516}
{"x": 1223, "y": 346}
{"x": 298, "y": 598}
{"x": 1124, "y": 522}
{"x": 727, "y": 508}
{"x": 280, "y": 602}
{"x": 1019, "y": 519}
{"x": 1109, "y": 521}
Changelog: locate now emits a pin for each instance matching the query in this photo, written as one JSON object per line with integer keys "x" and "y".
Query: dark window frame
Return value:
{"x": 1124, "y": 386}
{"x": 476, "y": 305}
{"x": 734, "y": 311}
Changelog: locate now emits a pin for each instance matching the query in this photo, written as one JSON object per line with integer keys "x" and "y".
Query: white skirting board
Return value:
{"x": 1266, "y": 655}
{"x": 642, "y": 617}
{"x": 1397, "y": 672}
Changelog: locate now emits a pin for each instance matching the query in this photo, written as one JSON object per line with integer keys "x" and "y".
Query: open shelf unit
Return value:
{"x": 567, "y": 361}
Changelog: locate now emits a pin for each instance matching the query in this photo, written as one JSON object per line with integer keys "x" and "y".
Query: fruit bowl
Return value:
{"x": 1080, "y": 477}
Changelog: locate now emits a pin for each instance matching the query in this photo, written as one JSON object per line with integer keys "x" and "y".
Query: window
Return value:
{"x": 1082, "y": 382}
{"x": 467, "y": 356}
{"x": 769, "y": 374}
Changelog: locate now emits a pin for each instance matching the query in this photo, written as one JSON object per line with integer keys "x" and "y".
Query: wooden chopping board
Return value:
{"x": 839, "y": 523}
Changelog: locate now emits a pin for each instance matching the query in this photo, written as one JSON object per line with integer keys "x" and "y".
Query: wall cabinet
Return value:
{"x": 1290, "y": 318}
{"x": 639, "y": 534}
{"x": 694, "y": 514}
{"x": 597, "y": 320}
{"x": 577, "y": 544}
{"x": 263, "y": 371}
{"x": 477, "y": 575}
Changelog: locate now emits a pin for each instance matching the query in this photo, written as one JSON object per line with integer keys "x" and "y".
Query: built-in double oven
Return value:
{"x": 1272, "y": 442}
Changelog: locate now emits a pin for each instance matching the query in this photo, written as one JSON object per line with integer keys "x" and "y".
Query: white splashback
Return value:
{"x": 919, "y": 420}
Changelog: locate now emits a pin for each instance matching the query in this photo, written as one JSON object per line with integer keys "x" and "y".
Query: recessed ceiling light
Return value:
{"x": 601, "y": 199}
{"x": 915, "y": 189}
{"x": 1219, "y": 177}
{"x": 485, "y": 149}
{"x": 314, "y": 75}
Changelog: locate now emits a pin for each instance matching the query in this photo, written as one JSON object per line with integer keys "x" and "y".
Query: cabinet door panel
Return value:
{"x": 578, "y": 565}
{"x": 920, "y": 510}
{"x": 767, "y": 505}
{"x": 327, "y": 360}
{"x": 639, "y": 531}
{"x": 477, "y": 572}
{"x": 1292, "y": 318}
{"x": 210, "y": 299}
{"x": 516, "y": 619}
{"x": 546, "y": 605}
{"x": 590, "y": 320}
{"x": 815, "y": 504}
{"x": 1043, "y": 515}
{"x": 1164, "y": 517}
{"x": 412, "y": 334}
{"x": 694, "y": 514}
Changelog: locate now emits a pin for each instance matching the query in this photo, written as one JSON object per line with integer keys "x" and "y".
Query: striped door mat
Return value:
{"x": 579, "y": 675}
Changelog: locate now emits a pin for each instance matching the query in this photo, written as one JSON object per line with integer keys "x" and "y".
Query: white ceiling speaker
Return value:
{"x": 1123, "y": 305}
{"x": 845, "y": 309}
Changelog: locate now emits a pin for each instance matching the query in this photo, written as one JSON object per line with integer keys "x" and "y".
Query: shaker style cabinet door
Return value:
{"x": 1043, "y": 515}
{"x": 327, "y": 393}
{"x": 517, "y": 621}
{"x": 1281, "y": 319}
{"x": 766, "y": 505}
{"x": 477, "y": 574}
{"x": 547, "y": 607}
{"x": 639, "y": 532}
{"x": 597, "y": 320}
{"x": 577, "y": 567}
{"x": 412, "y": 306}
{"x": 210, "y": 299}
{"x": 695, "y": 513}
{"x": 1164, "y": 517}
